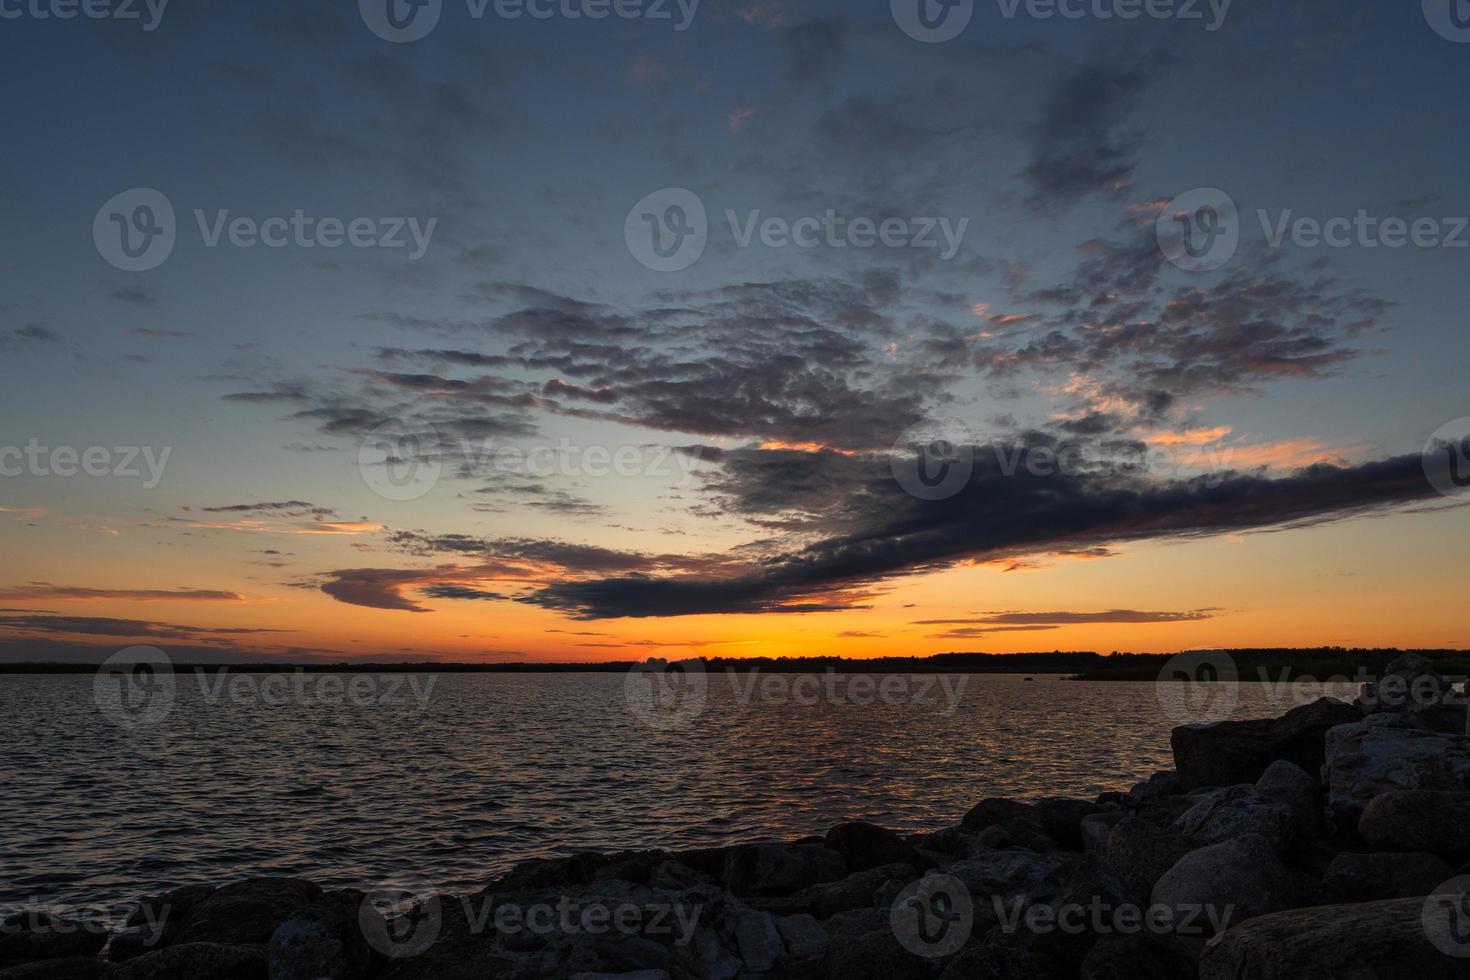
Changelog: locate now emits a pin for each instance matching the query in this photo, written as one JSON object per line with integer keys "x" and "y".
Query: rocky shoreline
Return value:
{"x": 1333, "y": 841}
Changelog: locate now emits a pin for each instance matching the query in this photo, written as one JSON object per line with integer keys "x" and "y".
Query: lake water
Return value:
{"x": 463, "y": 775}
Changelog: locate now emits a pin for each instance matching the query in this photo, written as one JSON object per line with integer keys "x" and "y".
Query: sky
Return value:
{"x": 568, "y": 331}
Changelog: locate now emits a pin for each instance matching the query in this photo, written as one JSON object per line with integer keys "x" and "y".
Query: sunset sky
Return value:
{"x": 615, "y": 461}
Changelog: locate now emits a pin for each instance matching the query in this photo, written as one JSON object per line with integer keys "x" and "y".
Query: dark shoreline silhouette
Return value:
{"x": 1253, "y": 664}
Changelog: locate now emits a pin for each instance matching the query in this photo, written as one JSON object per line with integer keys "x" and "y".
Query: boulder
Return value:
{"x": 803, "y": 936}
{"x": 858, "y": 890}
{"x": 1228, "y": 753}
{"x": 134, "y": 941}
{"x": 758, "y": 941}
{"x": 1410, "y": 685}
{"x": 1159, "y": 786}
{"x": 67, "y": 968}
{"x": 169, "y": 907}
{"x": 198, "y": 961}
{"x": 35, "y": 935}
{"x": 1419, "y": 820}
{"x": 1375, "y": 877}
{"x": 1061, "y": 820}
{"x": 863, "y": 946}
{"x": 998, "y": 962}
{"x": 1097, "y": 828}
{"x": 1238, "y": 811}
{"x": 1020, "y": 820}
{"x": 1141, "y": 848}
{"x": 246, "y": 912}
{"x": 323, "y": 941}
{"x": 866, "y": 846}
{"x": 776, "y": 868}
{"x": 1294, "y": 788}
{"x": 1383, "y": 753}
{"x": 1137, "y": 956}
{"x": 1375, "y": 939}
{"x": 1228, "y": 883}
{"x": 1009, "y": 874}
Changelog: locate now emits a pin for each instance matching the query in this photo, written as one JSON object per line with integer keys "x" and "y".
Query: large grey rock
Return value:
{"x": 1007, "y": 874}
{"x": 1419, "y": 820}
{"x": 857, "y": 890}
{"x": 198, "y": 961}
{"x": 776, "y": 868}
{"x": 1294, "y": 788}
{"x": 171, "y": 906}
{"x": 1141, "y": 848}
{"x": 68, "y": 968}
{"x": 1377, "y": 940}
{"x": 1020, "y": 820}
{"x": 1376, "y": 877}
{"x": 1061, "y": 819}
{"x": 1097, "y": 828}
{"x": 36, "y": 935}
{"x": 1229, "y": 882}
{"x": 1237, "y": 811}
{"x": 1137, "y": 956}
{"x": 1228, "y": 753}
{"x": 992, "y": 961}
{"x": 758, "y": 941}
{"x": 1380, "y": 755}
{"x": 246, "y": 912}
{"x": 1410, "y": 685}
{"x": 324, "y": 941}
{"x": 863, "y": 946}
{"x": 864, "y": 846}
{"x": 802, "y": 935}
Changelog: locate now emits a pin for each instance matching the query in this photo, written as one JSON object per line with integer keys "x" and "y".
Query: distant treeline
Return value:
{"x": 1275, "y": 664}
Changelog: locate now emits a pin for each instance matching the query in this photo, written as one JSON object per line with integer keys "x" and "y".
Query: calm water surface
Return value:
{"x": 490, "y": 769}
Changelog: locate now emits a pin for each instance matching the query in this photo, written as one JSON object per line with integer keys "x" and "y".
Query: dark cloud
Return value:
{"x": 994, "y": 516}
{"x": 45, "y": 590}
{"x": 103, "y": 626}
